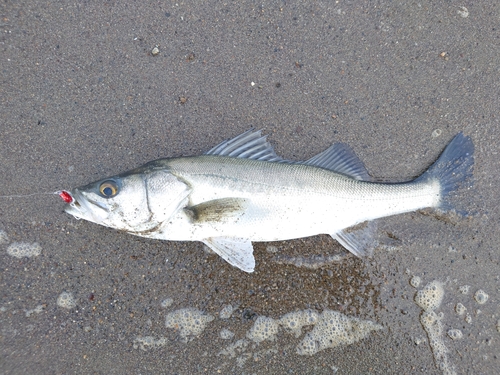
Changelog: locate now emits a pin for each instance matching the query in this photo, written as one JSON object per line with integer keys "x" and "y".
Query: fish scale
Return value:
{"x": 298, "y": 200}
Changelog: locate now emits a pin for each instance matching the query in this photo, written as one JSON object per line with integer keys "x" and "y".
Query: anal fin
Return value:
{"x": 363, "y": 238}
{"x": 236, "y": 251}
{"x": 359, "y": 240}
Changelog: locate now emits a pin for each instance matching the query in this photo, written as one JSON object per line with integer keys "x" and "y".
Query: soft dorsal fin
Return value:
{"x": 249, "y": 145}
{"x": 340, "y": 158}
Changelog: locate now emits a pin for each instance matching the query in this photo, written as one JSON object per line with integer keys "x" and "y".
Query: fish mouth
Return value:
{"x": 82, "y": 207}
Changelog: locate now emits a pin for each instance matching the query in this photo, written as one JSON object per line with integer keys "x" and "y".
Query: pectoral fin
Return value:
{"x": 236, "y": 251}
{"x": 217, "y": 210}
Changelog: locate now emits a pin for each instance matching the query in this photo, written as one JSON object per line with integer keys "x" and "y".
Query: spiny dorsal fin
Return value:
{"x": 249, "y": 145}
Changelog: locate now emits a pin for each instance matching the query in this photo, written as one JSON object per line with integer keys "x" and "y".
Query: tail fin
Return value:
{"x": 453, "y": 169}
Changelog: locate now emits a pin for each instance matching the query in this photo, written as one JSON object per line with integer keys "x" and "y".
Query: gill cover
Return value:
{"x": 166, "y": 194}
{"x": 146, "y": 200}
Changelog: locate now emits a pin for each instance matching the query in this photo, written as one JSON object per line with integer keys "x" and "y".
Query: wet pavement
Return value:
{"x": 85, "y": 94}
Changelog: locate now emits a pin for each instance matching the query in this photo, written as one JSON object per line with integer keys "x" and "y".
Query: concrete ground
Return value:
{"x": 84, "y": 96}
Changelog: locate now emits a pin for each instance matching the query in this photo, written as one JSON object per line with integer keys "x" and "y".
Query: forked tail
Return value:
{"x": 453, "y": 170}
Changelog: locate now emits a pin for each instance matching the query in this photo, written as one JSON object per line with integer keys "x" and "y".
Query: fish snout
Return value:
{"x": 83, "y": 208}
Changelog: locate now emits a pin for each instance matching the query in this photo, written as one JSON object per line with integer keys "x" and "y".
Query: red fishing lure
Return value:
{"x": 66, "y": 196}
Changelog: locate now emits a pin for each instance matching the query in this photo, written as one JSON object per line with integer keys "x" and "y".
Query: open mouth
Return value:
{"x": 83, "y": 208}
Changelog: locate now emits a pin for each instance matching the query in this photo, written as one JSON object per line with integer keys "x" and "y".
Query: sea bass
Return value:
{"x": 241, "y": 191}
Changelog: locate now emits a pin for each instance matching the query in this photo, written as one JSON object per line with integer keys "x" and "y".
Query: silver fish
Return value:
{"x": 241, "y": 191}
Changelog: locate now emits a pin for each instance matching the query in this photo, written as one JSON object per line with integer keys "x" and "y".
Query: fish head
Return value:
{"x": 137, "y": 202}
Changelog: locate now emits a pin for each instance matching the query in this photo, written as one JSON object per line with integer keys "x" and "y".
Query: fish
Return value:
{"x": 241, "y": 192}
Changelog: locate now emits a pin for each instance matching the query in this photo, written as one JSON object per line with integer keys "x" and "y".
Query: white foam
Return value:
{"x": 24, "y": 249}
{"x": 235, "y": 348}
{"x": 294, "y": 321}
{"x": 189, "y": 322}
{"x": 464, "y": 289}
{"x": 481, "y": 297}
{"x": 226, "y": 334}
{"x": 149, "y": 342}
{"x": 331, "y": 329}
{"x": 226, "y": 312}
{"x": 272, "y": 249}
{"x": 460, "y": 309}
{"x": 167, "y": 302}
{"x": 429, "y": 298}
{"x": 36, "y": 310}
{"x": 436, "y": 133}
{"x": 263, "y": 329}
{"x": 455, "y": 334}
{"x": 415, "y": 281}
{"x": 334, "y": 329}
{"x": 463, "y": 11}
{"x": 418, "y": 340}
{"x": 468, "y": 318}
{"x": 66, "y": 300}
{"x": 434, "y": 328}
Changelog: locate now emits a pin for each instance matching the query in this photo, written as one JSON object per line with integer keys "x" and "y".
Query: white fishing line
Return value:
{"x": 29, "y": 195}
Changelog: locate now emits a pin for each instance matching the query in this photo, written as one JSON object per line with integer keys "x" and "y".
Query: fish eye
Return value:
{"x": 108, "y": 189}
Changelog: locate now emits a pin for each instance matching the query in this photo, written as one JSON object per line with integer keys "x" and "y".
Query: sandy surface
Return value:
{"x": 82, "y": 97}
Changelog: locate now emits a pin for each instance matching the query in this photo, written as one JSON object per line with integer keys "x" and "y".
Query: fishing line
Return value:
{"x": 30, "y": 195}
{"x": 65, "y": 195}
